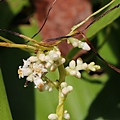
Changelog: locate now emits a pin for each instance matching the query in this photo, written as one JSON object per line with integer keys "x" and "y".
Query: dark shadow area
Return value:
{"x": 107, "y": 103}
{"x": 21, "y": 100}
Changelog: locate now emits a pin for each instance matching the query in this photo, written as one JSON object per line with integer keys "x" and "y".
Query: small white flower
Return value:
{"x": 48, "y": 87}
{"x": 85, "y": 46}
{"x": 42, "y": 57}
{"x": 73, "y": 41}
{"x": 24, "y": 72}
{"x": 77, "y": 43}
{"x": 48, "y": 64}
{"x": 93, "y": 67}
{"x": 54, "y": 55}
{"x": 53, "y": 116}
{"x": 26, "y": 63}
{"x": 32, "y": 59}
{"x": 67, "y": 89}
{"x": 61, "y": 61}
{"x": 72, "y": 64}
{"x": 78, "y": 75}
{"x": 63, "y": 84}
{"x": 47, "y": 58}
{"x": 38, "y": 83}
{"x": 73, "y": 72}
{"x": 39, "y": 69}
{"x": 53, "y": 59}
{"x": 66, "y": 115}
{"x": 81, "y": 65}
{"x": 30, "y": 78}
{"x": 73, "y": 69}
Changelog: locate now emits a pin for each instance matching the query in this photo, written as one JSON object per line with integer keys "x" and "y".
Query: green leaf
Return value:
{"x": 107, "y": 101}
{"x": 5, "y": 113}
{"x": 106, "y": 20}
{"x": 21, "y": 100}
{"x": 83, "y": 94}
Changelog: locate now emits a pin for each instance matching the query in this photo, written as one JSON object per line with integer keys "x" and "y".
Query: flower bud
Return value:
{"x": 66, "y": 115}
{"x": 67, "y": 89}
{"x": 53, "y": 116}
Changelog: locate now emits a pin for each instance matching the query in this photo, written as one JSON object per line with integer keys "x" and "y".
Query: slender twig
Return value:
{"x": 94, "y": 50}
{"x": 5, "y": 39}
{"x": 102, "y": 15}
{"x": 13, "y": 45}
{"x": 95, "y": 13}
{"x": 60, "y": 107}
{"x": 72, "y": 34}
{"x": 26, "y": 38}
{"x": 45, "y": 19}
{"x": 63, "y": 37}
{"x": 19, "y": 35}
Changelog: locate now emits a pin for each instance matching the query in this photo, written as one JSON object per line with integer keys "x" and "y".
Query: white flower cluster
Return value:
{"x": 36, "y": 66}
{"x": 74, "y": 68}
{"x": 65, "y": 89}
{"x": 77, "y": 43}
{"x": 52, "y": 59}
{"x": 54, "y": 116}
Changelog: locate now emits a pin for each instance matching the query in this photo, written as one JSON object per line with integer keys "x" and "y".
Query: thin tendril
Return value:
{"x": 45, "y": 19}
{"x": 76, "y": 33}
{"x": 102, "y": 15}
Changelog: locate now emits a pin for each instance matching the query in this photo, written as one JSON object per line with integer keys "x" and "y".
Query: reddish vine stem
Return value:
{"x": 45, "y": 19}
{"x": 94, "y": 50}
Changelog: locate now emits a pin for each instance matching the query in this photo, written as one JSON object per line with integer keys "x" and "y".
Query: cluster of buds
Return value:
{"x": 52, "y": 59}
{"x": 75, "y": 67}
{"x": 77, "y": 43}
{"x": 35, "y": 68}
{"x": 54, "y": 116}
{"x": 65, "y": 89}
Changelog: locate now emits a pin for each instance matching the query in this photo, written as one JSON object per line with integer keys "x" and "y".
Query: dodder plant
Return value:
{"x": 47, "y": 58}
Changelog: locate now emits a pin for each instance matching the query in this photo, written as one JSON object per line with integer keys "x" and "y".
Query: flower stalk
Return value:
{"x": 60, "y": 107}
{"x": 62, "y": 74}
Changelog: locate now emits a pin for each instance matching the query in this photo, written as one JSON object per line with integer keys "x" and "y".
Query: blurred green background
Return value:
{"x": 96, "y": 96}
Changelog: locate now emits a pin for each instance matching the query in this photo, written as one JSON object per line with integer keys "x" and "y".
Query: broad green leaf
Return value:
{"x": 106, "y": 20}
{"x": 106, "y": 103}
{"x": 80, "y": 99}
{"x": 21, "y": 100}
{"x": 5, "y": 113}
